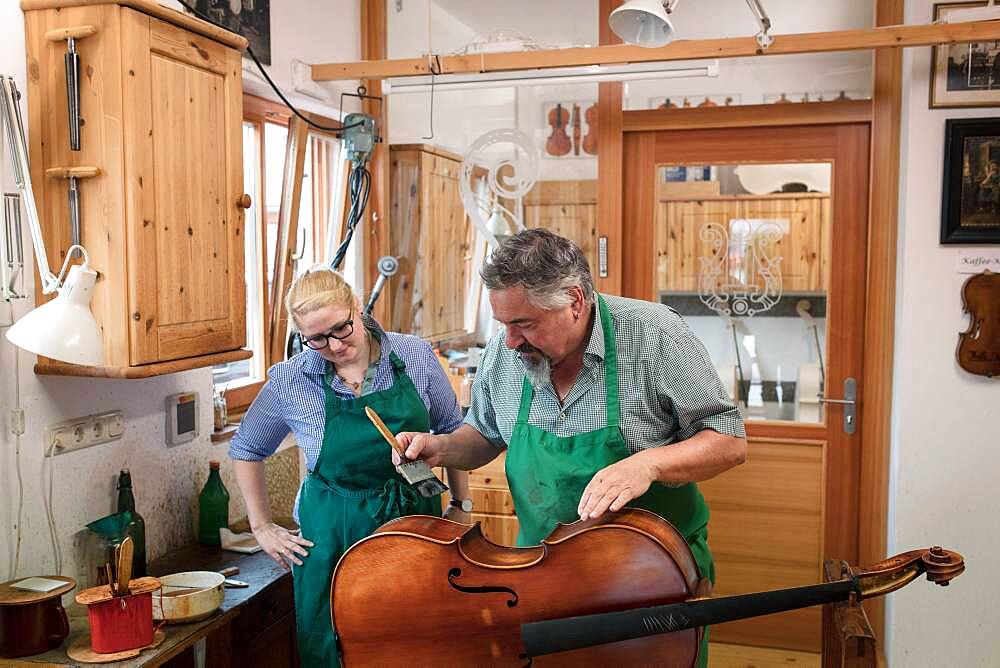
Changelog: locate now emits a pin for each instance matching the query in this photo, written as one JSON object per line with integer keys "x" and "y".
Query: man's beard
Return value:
{"x": 538, "y": 367}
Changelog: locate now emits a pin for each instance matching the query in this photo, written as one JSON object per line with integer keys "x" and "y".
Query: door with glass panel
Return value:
{"x": 757, "y": 237}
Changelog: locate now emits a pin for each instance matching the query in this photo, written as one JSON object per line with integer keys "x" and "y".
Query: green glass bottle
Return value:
{"x": 213, "y": 507}
{"x": 136, "y": 527}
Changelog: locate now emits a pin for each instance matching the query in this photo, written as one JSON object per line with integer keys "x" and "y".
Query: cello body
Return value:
{"x": 423, "y": 591}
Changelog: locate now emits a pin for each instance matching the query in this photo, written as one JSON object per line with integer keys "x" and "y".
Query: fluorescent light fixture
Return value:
{"x": 553, "y": 76}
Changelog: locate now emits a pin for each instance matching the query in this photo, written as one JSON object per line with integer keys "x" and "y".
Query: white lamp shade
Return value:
{"x": 642, "y": 22}
{"x": 64, "y": 329}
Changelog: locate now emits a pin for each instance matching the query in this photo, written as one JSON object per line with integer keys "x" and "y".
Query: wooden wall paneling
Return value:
{"x": 48, "y": 142}
{"x": 881, "y": 303}
{"x": 610, "y": 152}
{"x": 378, "y": 239}
{"x": 288, "y": 218}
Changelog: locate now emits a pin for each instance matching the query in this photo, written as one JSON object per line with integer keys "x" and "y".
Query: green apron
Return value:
{"x": 353, "y": 490}
{"x": 548, "y": 473}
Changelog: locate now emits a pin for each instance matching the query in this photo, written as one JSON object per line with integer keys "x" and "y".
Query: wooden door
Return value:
{"x": 795, "y": 502}
{"x": 183, "y": 180}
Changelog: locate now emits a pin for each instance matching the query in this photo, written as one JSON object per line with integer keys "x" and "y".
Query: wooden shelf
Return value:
{"x": 224, "y": 434}
{"x": 50, "y": 368}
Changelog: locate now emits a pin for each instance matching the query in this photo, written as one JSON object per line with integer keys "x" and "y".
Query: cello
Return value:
{"x": 619, "y": 590}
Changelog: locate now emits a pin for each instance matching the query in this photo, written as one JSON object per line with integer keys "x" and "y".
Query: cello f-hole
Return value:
{"x": 455, "y": 573}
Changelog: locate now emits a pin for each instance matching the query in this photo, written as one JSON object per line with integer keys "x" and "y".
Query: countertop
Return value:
{"x": 258, "y": 570}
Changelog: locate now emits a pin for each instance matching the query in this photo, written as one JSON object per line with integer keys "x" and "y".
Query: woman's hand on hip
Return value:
{"x": 282, "y": 545}
{"x": 420, "y": 445}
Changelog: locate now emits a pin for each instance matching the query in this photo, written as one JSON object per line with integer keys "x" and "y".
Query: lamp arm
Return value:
{"x": 10, "y": 121}
{"x": 764, "y": 38}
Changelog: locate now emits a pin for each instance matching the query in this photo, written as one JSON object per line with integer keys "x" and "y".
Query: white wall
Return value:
{"x": 166, "y": 480}
{"x": 946, "y": 422}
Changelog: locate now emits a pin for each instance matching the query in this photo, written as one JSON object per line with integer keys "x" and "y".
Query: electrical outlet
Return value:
{"x": 84, "y": 432}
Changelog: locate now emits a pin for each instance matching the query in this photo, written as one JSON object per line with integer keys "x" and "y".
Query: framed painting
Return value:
{"x": 970, "y": 201}
{"x": 964, "y": 75}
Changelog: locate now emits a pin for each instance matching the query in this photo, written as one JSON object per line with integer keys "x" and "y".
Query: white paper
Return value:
{"x": 977, "y": 261}
{"x": 38, "y": 584}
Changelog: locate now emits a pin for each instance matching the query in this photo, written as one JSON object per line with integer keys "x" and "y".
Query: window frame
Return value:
{"x": 258, "y": 111}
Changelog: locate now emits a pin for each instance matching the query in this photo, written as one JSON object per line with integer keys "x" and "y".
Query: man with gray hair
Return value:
{"x": 599, "y": 401}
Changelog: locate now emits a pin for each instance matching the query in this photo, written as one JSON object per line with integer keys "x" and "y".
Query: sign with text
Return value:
{"x": 976, "y": 262}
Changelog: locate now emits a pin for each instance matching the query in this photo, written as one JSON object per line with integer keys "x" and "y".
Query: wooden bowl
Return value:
{"x": 188, "y": 597}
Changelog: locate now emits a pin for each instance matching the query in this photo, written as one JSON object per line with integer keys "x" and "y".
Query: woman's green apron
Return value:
{"x": 548, "y": 473}
{"x": 352, "y": 490}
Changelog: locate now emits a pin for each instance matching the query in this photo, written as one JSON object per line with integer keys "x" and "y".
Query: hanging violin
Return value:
{"x": 590, "y": 139}
{"x": 558, "y": 142}
{"x": 979, "y": 346}
{"x": 614, "y": 591}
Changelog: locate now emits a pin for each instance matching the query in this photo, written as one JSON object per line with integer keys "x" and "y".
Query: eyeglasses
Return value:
{"x": 340, "y": 332}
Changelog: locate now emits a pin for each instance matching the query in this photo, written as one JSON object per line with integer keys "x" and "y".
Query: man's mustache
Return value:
{"x": 528, "y": 349}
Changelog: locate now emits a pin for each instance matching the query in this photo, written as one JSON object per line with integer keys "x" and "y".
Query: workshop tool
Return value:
{"x": 72, "y": 61}
{"x": 416, "y": 473}
{"x": 73, "y": 174}
{"x": 387, "y": 266}
{"x": 119, "y": 623}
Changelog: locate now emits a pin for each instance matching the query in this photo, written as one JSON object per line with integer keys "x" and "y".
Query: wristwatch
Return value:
{"x": 465, "y": 505}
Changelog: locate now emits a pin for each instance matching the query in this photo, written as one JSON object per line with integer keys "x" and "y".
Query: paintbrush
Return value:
{"x": 416, "y": 473}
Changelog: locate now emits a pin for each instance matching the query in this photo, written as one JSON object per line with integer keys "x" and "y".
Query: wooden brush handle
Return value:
{"x": 386, "y": 434}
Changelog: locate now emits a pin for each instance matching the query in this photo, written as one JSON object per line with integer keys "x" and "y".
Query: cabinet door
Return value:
{"x": 183, "y": 171}
{"x": 444, "y": 244}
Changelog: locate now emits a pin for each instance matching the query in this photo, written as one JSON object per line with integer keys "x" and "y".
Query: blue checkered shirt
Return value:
{"x": 292, "y": 400}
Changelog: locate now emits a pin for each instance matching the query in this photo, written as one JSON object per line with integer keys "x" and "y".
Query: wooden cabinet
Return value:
{"x": 163, "y": 221}
{"x": 492, "y": 504}
{"x": 568, "y": 208}
{"x": 804, "y": 219}
{"x": 431, "y": 238}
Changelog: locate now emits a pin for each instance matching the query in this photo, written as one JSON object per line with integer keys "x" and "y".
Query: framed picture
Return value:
{"x": 249, "y": 18}
{"x": 970, "y": 202}
{"x": 964, "y": 75}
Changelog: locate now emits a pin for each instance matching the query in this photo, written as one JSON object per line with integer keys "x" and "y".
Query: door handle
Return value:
{"x": 850, "y": 404}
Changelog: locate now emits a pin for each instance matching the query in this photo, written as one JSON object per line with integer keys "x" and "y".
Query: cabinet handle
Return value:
{"x": 243, "y": 201}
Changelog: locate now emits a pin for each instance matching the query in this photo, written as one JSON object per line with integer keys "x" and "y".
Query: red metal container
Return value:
{"x": 119, "y": 623}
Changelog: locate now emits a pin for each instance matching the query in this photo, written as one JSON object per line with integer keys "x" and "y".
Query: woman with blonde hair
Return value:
{"x": 348, "y": 362}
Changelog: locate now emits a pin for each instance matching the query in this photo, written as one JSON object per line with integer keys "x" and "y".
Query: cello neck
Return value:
{"x": 558, "y": 635}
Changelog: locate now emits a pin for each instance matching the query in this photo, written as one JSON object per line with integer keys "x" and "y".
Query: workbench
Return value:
{"x": 255, "y": 626}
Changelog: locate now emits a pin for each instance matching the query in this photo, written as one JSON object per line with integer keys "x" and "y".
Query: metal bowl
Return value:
{"x": 188, "y": 597}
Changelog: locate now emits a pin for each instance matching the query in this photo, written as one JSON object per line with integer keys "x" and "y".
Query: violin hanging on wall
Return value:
{"x": 618, "y": 590}
{"x": 558, "y": 142}
{"x": 979, "y": 346}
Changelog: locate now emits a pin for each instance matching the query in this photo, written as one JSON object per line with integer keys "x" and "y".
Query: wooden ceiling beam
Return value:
{"x": 728, "y": 47}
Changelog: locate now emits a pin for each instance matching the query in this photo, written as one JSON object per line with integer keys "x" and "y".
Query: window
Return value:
{"x": 265, "y": 137}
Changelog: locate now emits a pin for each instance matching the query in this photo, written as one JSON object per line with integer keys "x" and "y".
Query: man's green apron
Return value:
{"x": 353, "y": 490}
{"x": 548, "y": 473}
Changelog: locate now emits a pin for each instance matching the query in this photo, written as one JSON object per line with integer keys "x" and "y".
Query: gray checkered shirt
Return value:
{"x": 668, "y": 387}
